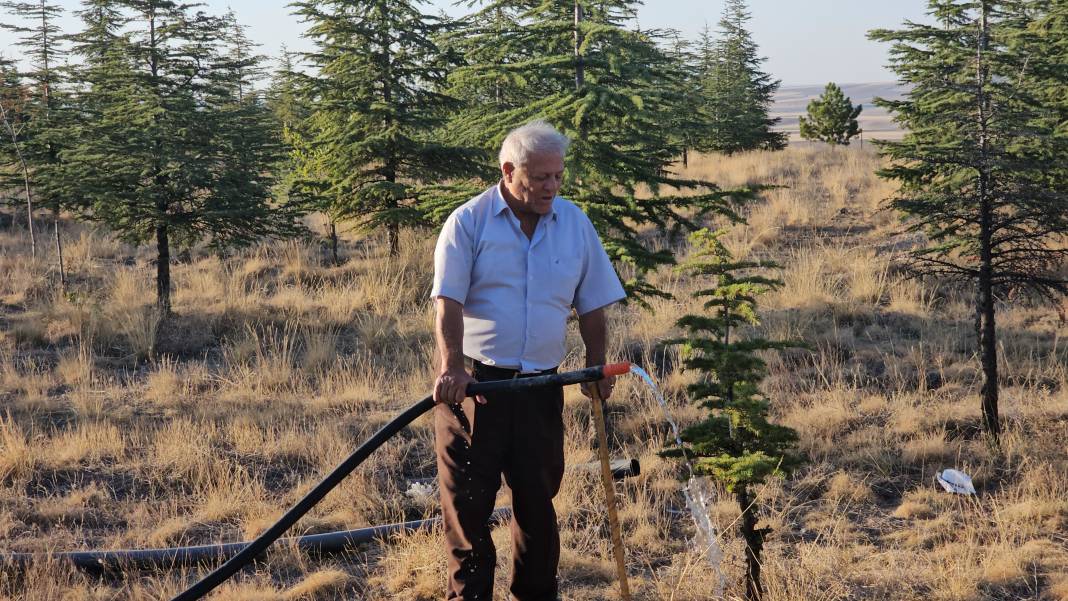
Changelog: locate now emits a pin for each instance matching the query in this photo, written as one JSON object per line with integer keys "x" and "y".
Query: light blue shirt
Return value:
{"x": 517, "y": 293}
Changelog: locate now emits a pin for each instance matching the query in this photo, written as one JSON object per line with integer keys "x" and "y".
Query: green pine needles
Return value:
{"x": 831, "y": 118}
{"x": 367, "y": 151}
{"x": 737, "y": 444}
{"x": 737, "y": 93}
{"x": 613, "y": 91}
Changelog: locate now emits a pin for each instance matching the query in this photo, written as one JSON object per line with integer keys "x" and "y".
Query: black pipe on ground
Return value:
{"x": 121, "y": 560}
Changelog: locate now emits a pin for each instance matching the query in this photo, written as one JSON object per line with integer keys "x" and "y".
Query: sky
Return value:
{"x": 806, "y": 42}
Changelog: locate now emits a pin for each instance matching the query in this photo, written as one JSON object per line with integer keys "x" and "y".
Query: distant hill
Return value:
{"x": 791, "y": 101}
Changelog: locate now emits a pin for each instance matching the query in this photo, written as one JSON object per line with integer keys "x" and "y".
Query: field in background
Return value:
{"x": 791, "y": 102}
{"x": 119, "y": 430}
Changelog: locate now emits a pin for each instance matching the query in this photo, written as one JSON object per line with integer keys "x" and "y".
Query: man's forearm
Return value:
{"x": 594, "y": 331}
{"x": 449, "y": 333}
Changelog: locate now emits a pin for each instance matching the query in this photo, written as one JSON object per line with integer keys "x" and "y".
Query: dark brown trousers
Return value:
{"x": 519, "y": 434}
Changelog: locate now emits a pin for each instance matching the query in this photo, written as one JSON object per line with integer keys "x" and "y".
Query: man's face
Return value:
{"x": 536, "y": 183}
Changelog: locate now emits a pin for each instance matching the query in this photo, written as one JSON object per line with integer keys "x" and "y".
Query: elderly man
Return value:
{"x": 509, "y": 266}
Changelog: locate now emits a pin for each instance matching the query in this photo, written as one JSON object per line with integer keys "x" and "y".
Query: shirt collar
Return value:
{"x": 500, "y": 204}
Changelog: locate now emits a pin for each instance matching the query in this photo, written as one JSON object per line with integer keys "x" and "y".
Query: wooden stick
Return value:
{"x": 609, "y": 489}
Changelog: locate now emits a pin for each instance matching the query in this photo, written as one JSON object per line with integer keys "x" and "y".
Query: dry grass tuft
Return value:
{"x": 87, "y": 445}
{"x": 931, "y": 448}
{"x": 913, "y": 510}
{"x": 322, "y": 584}
{"x": 250, "y": 592}
{"x": 844, "y": 488}
{"x": 17, "y": 458}
{"x": 412, "y": 571}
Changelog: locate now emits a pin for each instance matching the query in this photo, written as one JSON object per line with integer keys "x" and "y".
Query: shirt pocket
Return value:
{"x": 565, "y": 273}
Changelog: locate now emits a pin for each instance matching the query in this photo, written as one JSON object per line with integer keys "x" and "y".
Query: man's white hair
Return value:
{"x": 536, "y": 137}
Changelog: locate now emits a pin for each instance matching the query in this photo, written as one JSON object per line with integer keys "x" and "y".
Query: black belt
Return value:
{"x": 492, "y": 372}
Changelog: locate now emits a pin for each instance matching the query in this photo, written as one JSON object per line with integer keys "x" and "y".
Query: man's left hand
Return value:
{"x": 605, "y": 387}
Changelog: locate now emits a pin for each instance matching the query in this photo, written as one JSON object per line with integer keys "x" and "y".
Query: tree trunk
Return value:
{"x": 29, "y": 221}
{"x": 988, "y": 331}
{"x": 390, "y": 160}
{"x": 163, "y": 246}
{"x": 393, "y": 235}
{"x": 47, "y": 92}
{"x": 25, "y": 177}
{"x": 497, "y": 96}
{"x": 580, "y": 74}
{"x": 754, "y": 544}
{"x": 580, "y": 80}
{"x": 59, "y": 251}
{"x": 163, "y": 269}
{"x": 685, "y": 158}
{"x": 333, "y": 243}
{"x": 989, "y": 354}
{"x": 729, "y": 400}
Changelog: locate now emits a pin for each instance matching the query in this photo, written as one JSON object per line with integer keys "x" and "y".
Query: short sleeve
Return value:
{"x": 453, "y": 260}
{"x": 600, "y": 286}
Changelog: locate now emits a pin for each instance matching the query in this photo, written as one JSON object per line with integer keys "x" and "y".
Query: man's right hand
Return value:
{"x": 451, "y": 386}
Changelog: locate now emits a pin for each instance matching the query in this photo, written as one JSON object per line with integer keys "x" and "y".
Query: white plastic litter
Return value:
{"x": 421, "y": 491}
{"x": 955, "y": 482}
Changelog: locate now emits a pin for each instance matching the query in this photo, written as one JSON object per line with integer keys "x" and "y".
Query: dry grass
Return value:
{"x": 122, "y": 429}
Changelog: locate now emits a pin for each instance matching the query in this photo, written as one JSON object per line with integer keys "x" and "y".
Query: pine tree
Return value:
{"x": 688, "y": 120}
{"x": 103, "y": 56}
{"x": 368, "y": 153}
{"x": 99, "y": 81}
{"x": 975, "y": 165}
{"x": 832, "y": 118}
{"x": 283, "y": 95}
{"x": 43, "y": 136}
{"x": 482, "y": 39}
{"x": 153, "y": 160}
{"x": 245, "y": 136}
{"x": 611, "y": 90}
{"x": 290, "y": 110}
{"x": 736, "y": 444}
{"x": 14, "y": 98}
{"x": 738, "y": 95}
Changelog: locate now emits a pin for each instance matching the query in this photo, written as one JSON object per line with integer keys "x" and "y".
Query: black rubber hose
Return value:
{"x": 590, "y": 374}
{"x": 303, "y": 506}
{"x": 118, "y": 560}
{"x": 257, "y": 546}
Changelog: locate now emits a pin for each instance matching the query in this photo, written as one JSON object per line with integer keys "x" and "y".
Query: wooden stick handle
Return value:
{"x": 609, "y": 489}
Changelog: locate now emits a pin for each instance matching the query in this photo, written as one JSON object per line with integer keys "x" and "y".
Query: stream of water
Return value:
{"x": 697, "y": 492}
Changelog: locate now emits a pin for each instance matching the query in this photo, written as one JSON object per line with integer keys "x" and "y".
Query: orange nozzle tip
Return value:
{"x": 617, "y": 369}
